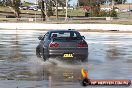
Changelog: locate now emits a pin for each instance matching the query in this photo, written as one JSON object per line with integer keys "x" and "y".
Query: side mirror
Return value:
{"x": 40, "y": 38}
{"x": 83, "y": 37}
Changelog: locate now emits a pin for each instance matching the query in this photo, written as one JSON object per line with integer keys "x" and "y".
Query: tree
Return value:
{"x": 41, "y": 3}
{"x": 93, "y": 8}
{"x": 49, "y": 4}
{"x": 13, "y": 5}
{"x": 0, "y": 2}
{"x": 90, "y": 2}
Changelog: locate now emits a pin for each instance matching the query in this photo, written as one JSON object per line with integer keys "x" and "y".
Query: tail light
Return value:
{"x": 82, "y": 45}
{"x": 53, "y": 45}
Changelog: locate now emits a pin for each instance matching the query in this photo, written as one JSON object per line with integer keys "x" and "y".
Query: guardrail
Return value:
{"x": 92, "y": 18}
{"x": 32, "y": 19}
{"x": 35, "y": 19}
{"x": 65, "y": 26}
{"x": 52, "y": 19}
{"x": 20, "y": 19}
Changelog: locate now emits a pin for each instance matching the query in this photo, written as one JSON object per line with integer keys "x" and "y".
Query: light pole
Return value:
{"x": 42, "y": 10}
{"x": 56, "y": 9}
{"x": 90, "y": 9}
{"x": 129, "y": 10}
{"x": 122, "y": 1}
{"x": 113, "y": 3}
{"x": 78, "y": 3}
{"x": 45, "y": 8}
{"x": 35, "y": 10}
{"x": 66, "y": 9}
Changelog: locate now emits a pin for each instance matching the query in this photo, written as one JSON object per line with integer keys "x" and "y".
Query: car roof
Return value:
{"x": 62, "y": 30}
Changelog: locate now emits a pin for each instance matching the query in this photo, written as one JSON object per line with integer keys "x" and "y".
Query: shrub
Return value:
{"x": 113, "y": 13}
{"x": 103, "y": 14}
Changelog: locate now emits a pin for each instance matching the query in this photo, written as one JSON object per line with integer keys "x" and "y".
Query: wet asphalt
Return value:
{"x": 110, "y": 57}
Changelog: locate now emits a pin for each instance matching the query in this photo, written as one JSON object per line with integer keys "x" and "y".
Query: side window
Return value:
{"x": 46, "y": 36}
{"x": 74, "y": 35}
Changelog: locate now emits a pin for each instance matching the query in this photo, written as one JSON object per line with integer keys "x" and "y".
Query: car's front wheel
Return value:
{"x": 44, "y": 56}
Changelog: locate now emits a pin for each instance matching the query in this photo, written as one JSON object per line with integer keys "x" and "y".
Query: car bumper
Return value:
{"x": 77, "y": 53}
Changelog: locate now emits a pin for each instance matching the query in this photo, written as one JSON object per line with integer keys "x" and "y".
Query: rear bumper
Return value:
{"x": 77, "y": 53}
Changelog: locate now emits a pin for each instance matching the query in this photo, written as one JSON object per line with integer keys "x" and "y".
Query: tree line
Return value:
{"x": 15, "y": 4}
{"x": 91, "y": 2}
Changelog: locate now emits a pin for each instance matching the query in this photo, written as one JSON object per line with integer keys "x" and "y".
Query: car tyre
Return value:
{"x": 84, "y": 59}
{"x": 38, "y": 51}
{"x": 43, "y": 56}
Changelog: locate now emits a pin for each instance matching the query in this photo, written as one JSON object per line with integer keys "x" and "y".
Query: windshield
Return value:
{"x": 65, "y": 35}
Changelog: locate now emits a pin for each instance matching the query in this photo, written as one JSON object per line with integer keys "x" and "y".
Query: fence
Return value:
{"x": 125, "y": 15}
{"x": 54, "y": 19}
{"x": 122, "y": 16}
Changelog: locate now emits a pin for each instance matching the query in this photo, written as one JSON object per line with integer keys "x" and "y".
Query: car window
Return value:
{"x": 64, "y": 34}
{"x": 46, "y": 35}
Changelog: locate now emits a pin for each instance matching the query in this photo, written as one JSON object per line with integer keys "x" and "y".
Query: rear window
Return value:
{"x": 65, "y": 35}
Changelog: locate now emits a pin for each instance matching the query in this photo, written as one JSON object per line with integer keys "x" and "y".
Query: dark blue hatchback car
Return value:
{"x": 65, "y": 44}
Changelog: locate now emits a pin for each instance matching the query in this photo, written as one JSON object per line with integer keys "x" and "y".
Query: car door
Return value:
{"x": 43, "y": 43}
{"x": 46, "y": 43}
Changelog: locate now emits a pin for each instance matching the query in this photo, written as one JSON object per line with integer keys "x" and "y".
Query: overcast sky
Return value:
{"x": 130, "y": 1}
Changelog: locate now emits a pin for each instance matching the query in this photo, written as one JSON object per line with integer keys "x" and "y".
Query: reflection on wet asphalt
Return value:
{"x": 109, "y": 58}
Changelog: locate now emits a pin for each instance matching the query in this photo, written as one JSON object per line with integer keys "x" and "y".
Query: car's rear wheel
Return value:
{"x": 44, "y": 56}
{"x": 84, "y": 60}
{"x": 38, "y": 52}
